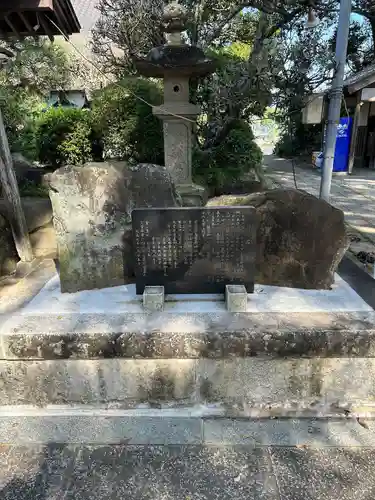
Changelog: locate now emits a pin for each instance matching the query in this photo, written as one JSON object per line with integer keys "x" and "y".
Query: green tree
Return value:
{"x": 33, "y": 68}
{"x": 308, "y": 57}
{"x": 64, "y": 136}
{"x": 128, "y": 128}
{"x": 127, "y": 28}
{"x": 36, "y": 66}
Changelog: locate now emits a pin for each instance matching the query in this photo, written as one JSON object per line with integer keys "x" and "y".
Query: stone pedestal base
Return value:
{"x": 192, "y": 195}
{"x": 292, "y": 353}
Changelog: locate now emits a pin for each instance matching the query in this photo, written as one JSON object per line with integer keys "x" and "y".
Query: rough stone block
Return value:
{"x": 301, "y": 239}
{"x": 153, "y": 298}
{"x": 43, "y": 242}
{"x": 236, "y": 298}
{"x": 92, "y": 207}
{"x": 96, "y": 381}
{"x": 254, "y": 381}
{"x": 148, "y": 380}
{"x": 38, "y": 212}
{"x": 345, "y": 379}
{"x": 192, "y": 195}
{"x": 48, "y": 382}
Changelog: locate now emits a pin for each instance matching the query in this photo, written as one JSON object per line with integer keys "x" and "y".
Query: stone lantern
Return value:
{"x": 177, "y": 62}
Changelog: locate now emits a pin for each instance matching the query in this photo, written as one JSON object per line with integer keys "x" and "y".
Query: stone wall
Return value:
{"x": 243, "y": 386}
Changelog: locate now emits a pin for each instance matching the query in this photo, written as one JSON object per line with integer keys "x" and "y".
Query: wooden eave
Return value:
{"x": 22, "y": 18}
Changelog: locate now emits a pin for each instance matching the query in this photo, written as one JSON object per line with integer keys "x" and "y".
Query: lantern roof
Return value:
{"x": 168, "y": 60}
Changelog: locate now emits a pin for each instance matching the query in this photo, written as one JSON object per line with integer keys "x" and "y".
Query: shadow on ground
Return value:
{"x": 68, "y": 472}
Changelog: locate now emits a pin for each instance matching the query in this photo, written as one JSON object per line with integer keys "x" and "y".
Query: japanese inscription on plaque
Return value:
{"x": 194, "y": 250}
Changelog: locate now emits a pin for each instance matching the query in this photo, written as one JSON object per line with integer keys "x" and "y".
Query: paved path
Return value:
{"x": 354, "y": 194}
{"x": 69, "y": 472}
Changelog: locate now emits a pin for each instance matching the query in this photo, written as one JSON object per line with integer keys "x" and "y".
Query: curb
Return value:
{"x": 165, "y": 427}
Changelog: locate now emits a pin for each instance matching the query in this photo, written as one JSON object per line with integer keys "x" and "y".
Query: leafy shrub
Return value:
{"x": 229, "y": 161}
{"x": 304, "y": 139}
{"x": 65, "y": 136}
{"x": 129, "y": 129}
{"x": 20, "y": 109}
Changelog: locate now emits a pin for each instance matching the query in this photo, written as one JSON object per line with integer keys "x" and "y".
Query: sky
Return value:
{"x": 86, "y": 12}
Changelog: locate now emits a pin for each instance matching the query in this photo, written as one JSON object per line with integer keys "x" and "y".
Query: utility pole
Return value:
{"x": 335, "y": 98}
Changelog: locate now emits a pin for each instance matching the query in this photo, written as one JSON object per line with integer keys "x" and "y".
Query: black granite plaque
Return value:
{"x": 194, "y": 250}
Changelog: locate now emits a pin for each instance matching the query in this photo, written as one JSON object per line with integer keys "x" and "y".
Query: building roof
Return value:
{"x": 87, "y": 13}
{"x": 22, "y": 18}
{"x": 361, "y": 79}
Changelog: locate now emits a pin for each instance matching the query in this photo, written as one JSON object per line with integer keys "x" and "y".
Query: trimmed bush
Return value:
{"x": 237, "y": 155}
{"x": 65, "y": 136}
{"x": 129, "y": 129}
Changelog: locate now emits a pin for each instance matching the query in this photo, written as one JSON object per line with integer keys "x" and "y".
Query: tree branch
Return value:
{"x": 287, "y": 18}
{"x": 368, "y": 15}
{"x": 231, "y": 14}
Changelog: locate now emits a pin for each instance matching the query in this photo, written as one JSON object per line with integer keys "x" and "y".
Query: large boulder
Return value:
{"x": 21, "y": 166}
{"x": 38, "y": 215}
{"x": 38, "y": 212}
{"x": 8, "y": 252}
{"x": 27, "y": 172}
{"x": 301, "y": 239}
{"x": 92, "y": 207}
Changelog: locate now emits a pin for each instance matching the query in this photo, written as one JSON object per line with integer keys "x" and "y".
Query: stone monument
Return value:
{"x": 92, "y": 206}
{"x": 194, "y": 249}
{"x": 176, "y": 62}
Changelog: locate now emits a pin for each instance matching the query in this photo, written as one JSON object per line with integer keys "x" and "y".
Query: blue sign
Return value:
{"x": 342, "y": 150}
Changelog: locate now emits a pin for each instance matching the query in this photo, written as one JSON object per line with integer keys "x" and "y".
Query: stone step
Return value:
{"x": 194, "y": 425}
{"x": 193, "y": 333}
{"x": 243, "y": 386}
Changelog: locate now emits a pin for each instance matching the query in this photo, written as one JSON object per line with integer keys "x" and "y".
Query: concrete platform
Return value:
{"x": 265, "y": 299}
{"x": 295, "y": 352}
{"x": 112, "y": 323}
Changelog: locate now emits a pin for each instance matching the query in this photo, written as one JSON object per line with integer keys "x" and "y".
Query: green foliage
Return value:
{"x": 64, "y": 136}
{"x": 37, "y": 66}
{"x": 228, "y": 162}
{"x": 239, "y": 51}
{"x": 303, "y": 139}
{"x": 20, "y": 109}
{"x": 227, "y": 92}
{"x": 129, "y": 129}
